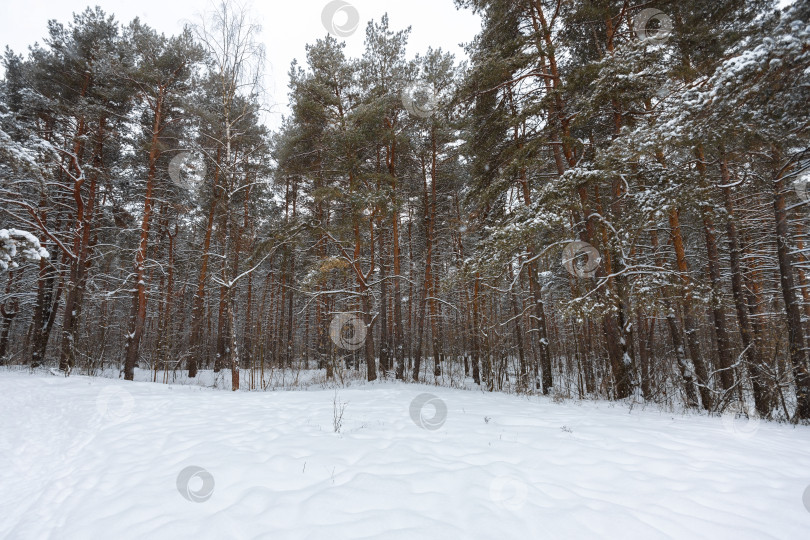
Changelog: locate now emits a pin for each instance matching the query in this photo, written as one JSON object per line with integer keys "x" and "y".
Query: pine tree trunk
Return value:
{"x": 198, "y": 309}
{"x": 796, "y": 340}
{"x": 688, "y": 320}
{"x": 8, "y": 310}
{"x": 45, "y": 309}
{"x": 751, "y": 349}
{"x": 138, "y": 314}
{"x": 85, "y": 214}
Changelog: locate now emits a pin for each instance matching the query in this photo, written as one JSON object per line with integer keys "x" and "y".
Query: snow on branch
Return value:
{"x": 14, "y": 242}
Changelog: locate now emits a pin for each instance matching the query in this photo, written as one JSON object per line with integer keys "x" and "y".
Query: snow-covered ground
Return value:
{"x": 97, "y": 458}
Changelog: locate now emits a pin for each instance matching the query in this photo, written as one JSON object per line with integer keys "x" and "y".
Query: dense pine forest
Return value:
{"x": 605, "y": 200}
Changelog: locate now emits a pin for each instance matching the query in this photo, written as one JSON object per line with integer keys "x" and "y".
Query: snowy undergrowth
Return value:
{"x": 91, "y": 457}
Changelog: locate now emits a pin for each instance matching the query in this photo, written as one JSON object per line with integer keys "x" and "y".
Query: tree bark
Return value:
{"x": 796, "y": 339}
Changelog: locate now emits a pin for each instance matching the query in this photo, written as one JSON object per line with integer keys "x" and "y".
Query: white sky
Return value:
{"x": 287, "y": 26}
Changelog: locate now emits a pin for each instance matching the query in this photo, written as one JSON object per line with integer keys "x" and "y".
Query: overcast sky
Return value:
{"x": 287, "y": 26}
